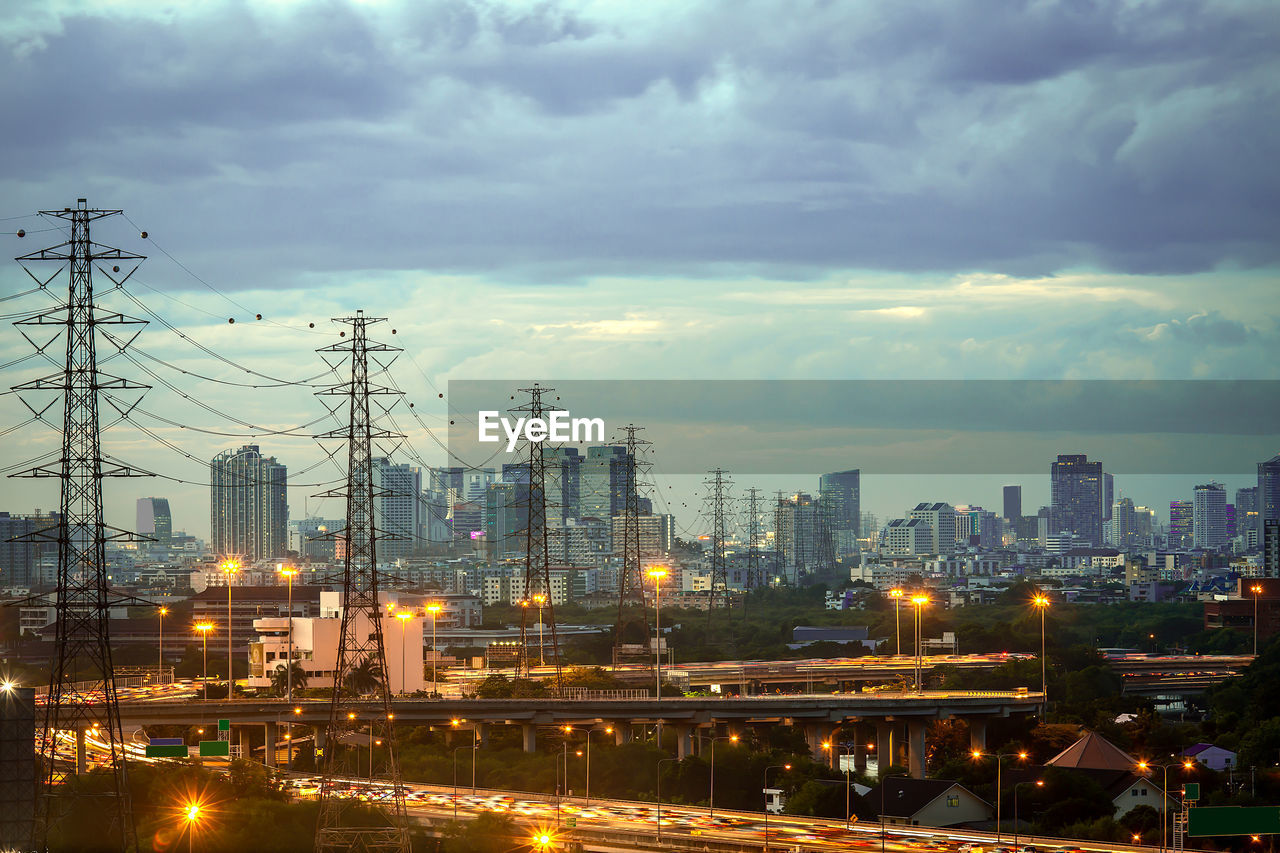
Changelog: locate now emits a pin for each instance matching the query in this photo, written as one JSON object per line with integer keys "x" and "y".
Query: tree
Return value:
{"x": 365, "y": 676}
{"x": 280, "y": 679}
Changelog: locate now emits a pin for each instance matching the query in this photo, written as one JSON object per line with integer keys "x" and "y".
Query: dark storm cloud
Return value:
{"x": 564, "y": 139}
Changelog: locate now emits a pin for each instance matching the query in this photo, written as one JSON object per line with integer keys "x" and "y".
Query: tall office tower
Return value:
{"x": 1012, "y": 503}
{"x": 841, "y": 492}
{"x": 1268, "y": 498}
{"x": 1231, "y": 521}
{"x": 155, "y": 521}
{"x": 451, "y": 483}
{"x": 799, "y": 525}
{"x": 1271, "y": 548}
{"x": 1180, "y": 524}
{"x": 976, "y": 526}
{"x": 604, "y": 482}
{"x": 1123, "y": 524}
{"x": 1076, "y": 487}
{"x": 21, "y": 552}
{"x": 941, "y": 518}
{"x": 1209, "y": 516}
{"x": 313, "y": 537}
{"x": 397, "y": 508}
{"x": 1247, "y": 515}
{"x": 506, "y": 512}
{"x": 249, "y": 505}
{"x": 563, "y": 484}
{"x": 1108, "y": 495}
{"x": 477, "y": 481}
{"x": 1144, "y": 526}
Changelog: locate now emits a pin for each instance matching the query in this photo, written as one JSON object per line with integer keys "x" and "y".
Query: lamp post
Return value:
{"x": 841, "y": 750}
{"x": 204, "y": 628}
{"x": 1256, "y": 589}
{"x": 191, "y": 814}
{"x": 896, "y": 595}
{"x": 475, "y": 742}
{"x": 607, "y": 730}
{"x": 999, "y": 757}
{"x": 884, "y": 781}
{"x": 1144, "y": 766}
{"x": 404, "y": 673}
{"x": 711, "y": 798}
{"x": 164, "y": 611}
{"x": 1039, "y": 783}
{"x": 918, "y": 601}
{"x": 540, "y": 599}
{"x": 288, "y": 572}
{"x": 434, "y": 609}
{"x": 766, "y": 802}
{"x": 662, "y": 761}
{"x": 657, "y": 573}
{"x": 1041, "y": 601}
{"x": 230, "y": 567}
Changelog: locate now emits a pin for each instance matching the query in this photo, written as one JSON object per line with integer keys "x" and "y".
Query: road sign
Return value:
{"x": 1234, "y": 820}
{"x": 166, "y": 750}
{"x": 212, "y": 748}
{"x": 224, "y": 725}
{"x": 167, "y": 741}
{"x": 571, "y": 822}
{"x": 1191, "y": 791}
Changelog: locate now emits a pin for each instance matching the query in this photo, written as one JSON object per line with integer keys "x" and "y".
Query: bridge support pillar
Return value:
{"x": 977, "y": 734}
{"x": 622, "y": 733}
{"x": 530, "y": 736}
{"x": 859, "y": 755}
{"x": 684, "y": 741}
{"x": 816, "y": 734}
{"x": 246, "y": 741}
{"x": 82, "y": 760}
{"x": 915, "y": 747}
{"x": 482, "y": 734}
{"x": 271, "y": 735}
{"x": 884, "y": 746}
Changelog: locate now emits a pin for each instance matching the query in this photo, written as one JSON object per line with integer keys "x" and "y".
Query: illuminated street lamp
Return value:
{"x": 661, "y": 762}
{"x": 404, "y": 673}
{"x": 657, "y": 573}
{"x": 191, "y": 814}
{"x": 896, "y": 595}
{"x": 842, "y": 750}
{"x": 1145, "y": 766}
{"x": 766, "y": 802}
{"x": 1041, "y": 601}
{"x": 607, "y": 730}
{"x": 918, "y": 601}
{"x": 999, "y": 757}
{"x": 230, "y": 567}
{"x": 204, "y": 628}
{"x": 434, "y": 609}
{"x": 711, "y": 797}
{"x": 1039, "y": 783}
{"x": 164, "y": 611}
{"x": 539, "y": 599}
{"x": 1256, "y": 589}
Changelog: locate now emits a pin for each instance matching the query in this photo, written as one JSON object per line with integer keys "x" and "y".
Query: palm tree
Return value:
{"x": 280, "y": 678}
{"x": 364, "y": 677}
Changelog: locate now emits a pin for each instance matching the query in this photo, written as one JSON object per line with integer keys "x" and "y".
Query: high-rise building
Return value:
{"x": 397, "y": 508}
{"x": 976, "y": 526}
{"x": 506, "y": 508}
{"x": 1180, "y": 524}
{"x": 154, "y": 520}
{"x": 798, "y": 528}
{"x": 249, "y": 505}
{"x": 941, "y": 518}
{"x": 1209, "y": 516}
{"x": 1268, "y": 498}
{"x": 314, "y": 537}
{"x": 604, "y": 482}
{"x": 563, "y": 484}
{"x": 1123, "y": 524}
{"x": 22, "y": 553}
{"x": 841, "y": 495}
{"x": 1108, "y": 495}
{"x": 1012, "y": 503}
{"x": 1247, "y": 515}
{"x": 1271, "y": 548}
{"x": 1076, "y": 487}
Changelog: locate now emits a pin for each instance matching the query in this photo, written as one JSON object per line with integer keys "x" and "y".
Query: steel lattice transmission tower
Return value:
{"x": 780, "y": 537}
{"x": 631, "y": 588}
{"x": 360, "y": 716}
{"x": 82, "y": 693}
{"x": 537, "y": 548}
{"x": 753, "y": 538}
{"x": 718, "y": 484}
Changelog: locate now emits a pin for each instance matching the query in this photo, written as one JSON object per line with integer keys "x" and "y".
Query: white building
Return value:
{"x": 903, "y": 537}
{"x": 941, "y": 518}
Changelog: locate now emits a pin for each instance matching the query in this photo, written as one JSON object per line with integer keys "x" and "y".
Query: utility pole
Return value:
{"x": 718, "y": 484}
{"x": 537, "y": 550}
{"x": 82, "y": 649}
{"x": 347, "y": 823}
{"x": 631, "y": 588}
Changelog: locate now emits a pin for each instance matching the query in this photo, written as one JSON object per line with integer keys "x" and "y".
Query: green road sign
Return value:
{"x": 166, "y": 750}
{"x": 571, "y": 822}
{"x": 1191, "y": 791}
{"x": 213, "y": 748}
{"x": 224, "y": 725}
{"x": 1234, "y": 820}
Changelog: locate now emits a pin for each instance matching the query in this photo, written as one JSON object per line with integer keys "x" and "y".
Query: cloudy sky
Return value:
{"x": 657, "y": 190}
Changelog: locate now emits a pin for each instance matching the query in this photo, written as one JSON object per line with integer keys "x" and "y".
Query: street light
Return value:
{"x": 1041, "y": 601}
{"x": 404, "y": 673}
{"x": 657, "y": 573}
{"x": 540, "y": 599}
{"x": 766, "y": 802}
{"x": 230, "y": 567}
{"x": 1144, "y": 766}
{"x": 191, "y": 814}
{"x": 434, "y": 609}
{"x": 711, "y": 798}
{"x": 475, "y": 742}
{"x": 884, "y": 783}
{"x": 999, "y": 757}
{"x": 842, "y": 750}
{"x": 607, "y": 730}
{"x": 164, "y": 611}
{"x": 1256, "y": 589}
{"x": 662, "y": 761}
{"x": 919, "y": 601}
{"x": 204, "y": 628}
{"x": 1039, "y": 783}
{"x": 896, "y": 595}
{"x": 288, "y": 572}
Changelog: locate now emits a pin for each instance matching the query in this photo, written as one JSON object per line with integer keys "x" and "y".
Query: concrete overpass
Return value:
{"x": 899, "y": 719}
